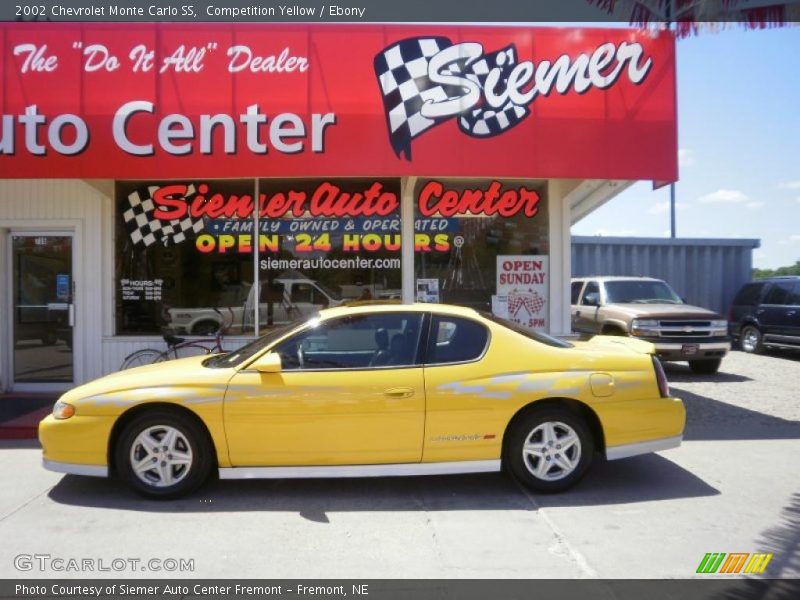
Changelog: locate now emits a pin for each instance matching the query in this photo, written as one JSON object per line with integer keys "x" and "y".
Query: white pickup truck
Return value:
{"x": 288, "y": 298}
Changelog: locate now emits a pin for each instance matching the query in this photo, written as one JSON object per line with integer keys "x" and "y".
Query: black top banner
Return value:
{"x": 748, "y": 12}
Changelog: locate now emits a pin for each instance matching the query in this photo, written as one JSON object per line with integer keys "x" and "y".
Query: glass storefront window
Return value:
{"x": 185, "y": 251}
{"x": 484, "y": 244}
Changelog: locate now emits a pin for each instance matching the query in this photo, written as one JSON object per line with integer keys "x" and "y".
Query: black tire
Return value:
{"x": 751, "y": 340}
{"x": 705, "y": 367}
{"x": 526, "y": 427}
{"x": 193, "y": 437}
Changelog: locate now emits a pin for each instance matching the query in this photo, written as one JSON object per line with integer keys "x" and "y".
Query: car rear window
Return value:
{"x": 779, "y": 293}
{"x": 453, "y": 339}
{"x": 537, "y": 336}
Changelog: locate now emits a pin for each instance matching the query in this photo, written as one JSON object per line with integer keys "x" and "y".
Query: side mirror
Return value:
{"x": 269, "y": 363}
{"x": 592, "y": 299}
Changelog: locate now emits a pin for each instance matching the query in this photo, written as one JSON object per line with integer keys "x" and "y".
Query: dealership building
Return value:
{"x": 181, "y": 178}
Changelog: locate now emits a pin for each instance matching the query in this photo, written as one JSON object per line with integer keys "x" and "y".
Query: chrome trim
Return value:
{"x": 701, "y": 346}
{"x": 389, "y": 470}
{"x": 75, "y": 469}
{"x": 626, "y": 450}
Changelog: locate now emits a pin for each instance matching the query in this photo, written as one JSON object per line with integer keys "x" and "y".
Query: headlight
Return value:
{"x": 62, "y": 410}
{"x": 644, "y": 327}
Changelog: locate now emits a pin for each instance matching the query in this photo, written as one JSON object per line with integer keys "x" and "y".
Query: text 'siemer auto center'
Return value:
{"x": 166, "y": 177}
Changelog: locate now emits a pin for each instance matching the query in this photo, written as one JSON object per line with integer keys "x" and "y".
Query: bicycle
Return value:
{"x": 148, "y": 356}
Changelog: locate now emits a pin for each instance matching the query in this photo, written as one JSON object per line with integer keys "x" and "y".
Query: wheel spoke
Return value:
{"x": 533, "y": 449}
{"x": 165, "y": 473}
{"x": 548, "y": 433}
{"x": 567, "y": 442}
{"x": 169, "y": 439}
{"x": 542, "y": 468}
{"x": 178, "y": 457}
{"x": 144, "y": 465}
{"x": 148, "y": 442}
{"x": 563, "y": 461}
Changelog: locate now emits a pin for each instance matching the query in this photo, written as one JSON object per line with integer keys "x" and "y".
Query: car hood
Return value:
{"x": 664, "y": 311}
{"x": 186, "y": 373}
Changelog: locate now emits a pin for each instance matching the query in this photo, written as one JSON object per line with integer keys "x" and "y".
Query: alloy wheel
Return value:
{"x": 161, "y": 456}
{"x": 552, "y": 451}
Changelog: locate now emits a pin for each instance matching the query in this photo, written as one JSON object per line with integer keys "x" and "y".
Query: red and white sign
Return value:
{"x": 525, "y": 280}
{"x": 119, "y": 101}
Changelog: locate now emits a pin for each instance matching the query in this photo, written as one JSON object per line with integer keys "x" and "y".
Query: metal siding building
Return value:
{"x": 706, "y": 272}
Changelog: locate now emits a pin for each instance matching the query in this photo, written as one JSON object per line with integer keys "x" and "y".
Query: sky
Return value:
{"x": 739, "y": 149}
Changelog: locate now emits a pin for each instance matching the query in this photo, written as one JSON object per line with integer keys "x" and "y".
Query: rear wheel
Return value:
{"x": 550, "y": 449}
{"x": 163, "y": 455}
{"x": 751, "y": 340}
{"x": 705, "y": 367}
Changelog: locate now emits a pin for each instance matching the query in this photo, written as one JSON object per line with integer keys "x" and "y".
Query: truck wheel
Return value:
{"x": 549, "y": 450}
{"x": 205, "y": 328}
{"x": 162, "y": 454}
{"x": 751, "y": 340}
{"x": 705, "y": 367}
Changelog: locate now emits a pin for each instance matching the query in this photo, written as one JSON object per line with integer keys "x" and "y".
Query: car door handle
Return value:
{"x": 399, "y": 392}
{"x": 760, "y": 311}
{"x": 791, "y": 313}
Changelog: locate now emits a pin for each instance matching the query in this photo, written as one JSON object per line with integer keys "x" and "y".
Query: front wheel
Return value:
{"x": 751, "y": 340}
{"x": 163, "y": 455}
{"x": 550, "y": 450}
{"x": 705, "y": 367}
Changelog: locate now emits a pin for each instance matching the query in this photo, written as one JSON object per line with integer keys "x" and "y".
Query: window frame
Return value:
{"x": 777, "y": 284}
{"x": 585, "y": 290}
{"x": 581, "y": 285}
{"x": 478, "y": 358}
{"x": 416, "y": 363}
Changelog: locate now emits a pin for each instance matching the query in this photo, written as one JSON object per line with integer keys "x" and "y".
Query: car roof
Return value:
{"x": 616, "y": 278}
{"x": 393, "y": 307}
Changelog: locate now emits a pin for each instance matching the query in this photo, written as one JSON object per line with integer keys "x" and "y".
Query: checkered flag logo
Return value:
{"x": 145, "y": 229}
{"x": 530, "y": 301}
{"x": 402, "y": 72}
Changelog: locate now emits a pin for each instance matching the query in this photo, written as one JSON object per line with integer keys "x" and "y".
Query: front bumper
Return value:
{"x": 77, "y": 445}
{"x": 690, "y": 348}
{"x": 75, "y": 469}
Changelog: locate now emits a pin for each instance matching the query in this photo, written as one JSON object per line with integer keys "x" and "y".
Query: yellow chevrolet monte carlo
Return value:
{"x": 373, "y": 390}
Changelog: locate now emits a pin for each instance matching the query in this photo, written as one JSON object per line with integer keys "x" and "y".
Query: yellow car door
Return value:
{"x": 465, "y": 418}
{"x": 350, "y": 390}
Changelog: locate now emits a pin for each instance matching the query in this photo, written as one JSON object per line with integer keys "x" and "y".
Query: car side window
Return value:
{"x": 794, "y": 297}
{"x": 591, "y": 288}
{"x": 302, "y": 293}
{"x": 749, "y": 295}
{"x": 575, "y": 292}
{"x": 354, "y": 342}
{"x": 454, "y": 339}
{"x": 779, "y": 293}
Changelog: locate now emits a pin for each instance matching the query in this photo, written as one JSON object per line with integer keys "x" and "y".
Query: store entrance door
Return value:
{"x": 43, "y": 310}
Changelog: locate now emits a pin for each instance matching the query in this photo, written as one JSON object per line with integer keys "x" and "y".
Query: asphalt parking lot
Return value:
{"x": 734, "y": 486}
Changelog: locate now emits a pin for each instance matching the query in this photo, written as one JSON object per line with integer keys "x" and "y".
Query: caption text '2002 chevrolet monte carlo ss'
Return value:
{"x": 373, "y": 390}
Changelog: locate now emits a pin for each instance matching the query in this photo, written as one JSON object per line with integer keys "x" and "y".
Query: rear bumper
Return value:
{"x": 627, "y": 450}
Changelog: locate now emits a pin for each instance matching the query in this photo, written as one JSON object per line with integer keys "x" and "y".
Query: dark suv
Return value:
{"x": 766, "y": 314}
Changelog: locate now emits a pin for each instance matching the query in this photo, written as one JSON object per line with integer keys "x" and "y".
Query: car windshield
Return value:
{"x": 237, "y": 357}
{"x": 640, "y": 292}
{"x": 537, "y": 336}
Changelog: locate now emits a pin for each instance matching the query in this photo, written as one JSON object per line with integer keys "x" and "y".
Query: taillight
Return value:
{"x": 661, "y": 378}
